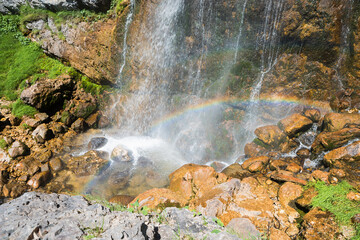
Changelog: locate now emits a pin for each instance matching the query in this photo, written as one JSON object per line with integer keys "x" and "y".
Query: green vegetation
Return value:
{"x": 3, "y": 144}
{"x": 90, "y": 87}
{"x": 93, "y": 232}
{"x": 20, "y": 109}
{"x": 333, "y": 198}
{"x": 112, "y": 206}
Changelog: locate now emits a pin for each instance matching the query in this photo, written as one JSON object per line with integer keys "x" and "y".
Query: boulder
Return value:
{"x": 97, "y": 142}
{"x": 256, "y": 164}
{"x": 123, "y": 200}
{"x": 348, "y": 153}
{"x": 326, "y": 141}
{"x": 79, "y": 125}
{"x": 337, "y": 121}
{"x": 288, "y": 192}
{"x": 254, "y": 150}
{"x": 243, "y": 228}
{"x": 285, "y": 176}
{"x": 295, "y": 124}
{"x": 89, "y": 164}
{"x": 313, "y": 114}
{"x": 270, "y": 135}
{"x": 236, "y": 171}
{"x": 39, "y": 179}
{"x": 160, "y": 198}
{"x": 48, "y": 95}
{"x": 56, "y": 164}
{"x": 119, "y": 153}
{"x": 18, "y": 149}
{"x": 42, "y": 133}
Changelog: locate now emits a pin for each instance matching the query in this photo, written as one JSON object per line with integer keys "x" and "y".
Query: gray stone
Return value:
{"x": 18, "y": 149}
{"x": 97, "y": 142}
{"x": 42, "y": 133}
{"x": 244, "y": 228}
{"x": 119, "y": 153}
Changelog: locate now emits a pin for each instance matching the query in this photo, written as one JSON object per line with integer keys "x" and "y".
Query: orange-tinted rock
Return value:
{"x": 56, "y": 164}
{"x": 353, "y": 196}
{"x": 318, "y": 224}
{"x": 295, "y": 124}
{"x": 278, "y": 164}
{"x": 160, "y": 198}
{"x": 276, "y": 234}
{"x": 303, "y": 153}
{"x": 313, "y": 114}
{"x": 330, "y": 140}
{"x": 348, "y": 153}
{"x": 38, "y": 180}
{"x": 258, "y": 162}
{"x": 192, "y": 179}
{"x": 270, "y": 135}
{"x": 254, "y": 150}
{"x": 88, "y": 164}
{"x": 294, "y": 168}
{"x": 337, "y": 121}
{"x": 236, "y": 171}
{"x": 288, "y": 192}
{"x": 305, "y": 200}
{"x": 121, "y": 199}
{"x": 339, "y": 173}
{"x": 285, "y": 176}
{"x": 320, "y": 176}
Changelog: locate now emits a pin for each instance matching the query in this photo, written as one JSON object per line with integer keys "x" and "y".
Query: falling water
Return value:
{"x": 129, "y": 20}
{"x": 240, "y": 31}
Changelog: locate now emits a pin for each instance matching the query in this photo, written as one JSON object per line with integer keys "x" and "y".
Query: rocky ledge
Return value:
{"x": 52, "y": 216}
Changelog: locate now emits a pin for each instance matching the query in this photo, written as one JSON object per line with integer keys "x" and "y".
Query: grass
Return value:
{"x": 20, "y": 109}
{"x": 333, "y": 198}
{"x": 3, "y": 144}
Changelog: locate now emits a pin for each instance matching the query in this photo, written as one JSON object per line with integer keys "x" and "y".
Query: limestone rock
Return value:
{"x": 256, "y": 164}
{"x": 121, "y": 154}
{"x": 49, "y": 94}
{"x": 236, "y": 171}
{"x": 18, "y": 149}
{"x": 79, "y": 125}
{"x": 348, "y": 153}
{"x": 313, "y": 114}
{"x": 254, "y": 150}
{"x": 295, "y": 124}
{"x": 244, "y": 228}
{"x": 159, "y": 198}
{"x": 288, "y": 192}
{"x": 276, "y": 234}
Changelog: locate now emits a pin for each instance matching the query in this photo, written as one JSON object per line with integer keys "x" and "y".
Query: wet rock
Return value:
{"x": 118, "y": 179}
{"x": 276, "y": 234}
{"x": 97, "y": 142}
{"x": 28, "y": 165}
{"x": 326, "y": 141}
{"x": 45, "y": 95}
{"x": 39, "y": 179}
{"x": 295, "y": 124}
{"x": 285, "y": 176}
{"x": 56, "y": 164}
{"x": 43, "y": 155}
{"x": 349, "y": 153}
{"x": 160, "y": 198}
{"x": 92, "y": 120}
{"x": 192, "y": 179}
{"x": 18, "y": 149}
{"x": 42, "y": 133}
{"x": 67, "y": 118}
{"x": 294, "y": 168}
{"x": 32, "y": 122}
{"x": 304, "y": 201}
{"x": 121, "y": 154}
{"x": 337, "y": 121}
{"x": 278, "y": 164}
{"x": 236, "y": 171}
{"x": 256, "y": 164}
{"x": 104, "y": 122}
{"x": 270, "y": 135}
{"x": 313, "y": 114}
{"x": 218, "y": 166}
{"x": 88, "y": 164}
{"x": 318, "y": 224}
{"x": 254, "y": 150}
{"x": 288, "y": 192}
{"x": 303, "y": 153}
{"x": 123, "y": 200}
{"x": 320, "y": 176}
{"x": 79, "y": 125}
{"x": 243, "y": 228}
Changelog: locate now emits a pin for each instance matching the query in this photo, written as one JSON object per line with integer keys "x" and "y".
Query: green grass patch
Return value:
{"x": 90, "y": 87}
{"x": 3, "y": 144}
{"x": 20, "y": 109}
{"x": 333, "y": 198}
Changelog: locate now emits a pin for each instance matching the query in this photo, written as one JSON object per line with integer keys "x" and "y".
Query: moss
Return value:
{"x": 260, "y": 143}
{"x": 20, "y": 109}
{"x": 3, "y": 144}
{"x": 90, "y": 87}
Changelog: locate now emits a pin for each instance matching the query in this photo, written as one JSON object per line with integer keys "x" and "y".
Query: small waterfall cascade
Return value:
{"x": 128, "y": 22}
{"x": 238, "y": 40}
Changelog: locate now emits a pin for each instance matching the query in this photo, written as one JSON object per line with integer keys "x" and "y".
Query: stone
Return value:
{"x": 123, "y": 200}
{"x": 270, "y": 135}
{"x": 288, "y": 192}
{"x": 29, "y": 165}
{"x": 303, "y": 153}
{"x": 56, "y": 164}
{"x": 192, "y": 179}
{"x": 256, "y": 164}
{"x": 79, "y": 125}
{"x": 104, "y": 122}
{"x": 42, "y": 133}
{"x": 254, "y": 150}
{"x": 45, "y": 167}
{"x": 285, "y": 176}
{"x": 353, "y": 196}
{"x": 43, "y": 155}
{"x": 46, "y": 95}
{"x": 337, "y": 121}
{"x": 42, "y": 117}
{"x": 39, "y": 179}
{"x": 278, "y": 165}
{"x": 32, "y": 122}
{"x": 159, "y": 198}
{"x": 119, "y": 153}
{"x": 243, "y": 228}
{"x": 276, "y": 234}
{"x": 87, "y": 165}
{"x": 319, "y": 175}
{"x": 347, "y": 153}
{"x": 295, "y": 124}
{"x": 18, "y": 149}
{"x": 97, "y": 142}
{"x": 313, "y": 114}
{"x": 236, "y": 171}
{"x": 92, "y": 120}
{"x": 294, "y": 168}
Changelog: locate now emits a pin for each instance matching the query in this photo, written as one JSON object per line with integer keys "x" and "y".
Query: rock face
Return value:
{"x": 45, "y": 95}
{"x": 270, "y": 135}
{"x": 38, "y": 215}
{"x": 13, "y": 6}
{"x": 295, "y": 124}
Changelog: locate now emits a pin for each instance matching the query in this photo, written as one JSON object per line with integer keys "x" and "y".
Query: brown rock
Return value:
{"x": 18, "y": 149}
{"x": 160, "y": 198}
{"x": 258, "y": 162}
{"x": 56, "y": 164}
{"x": 92, "y": 120}
{"x": 303, "y": 153}
{"x": 337, "y": 121}
{"x": 294, "y": 168}
{"x": 79, "y": 125}
{"x": 285, "y": 176}
{"x": 236, "y": 171}
{"x": 278, "y": 164}
{"x": 45, "y": 167}
{"x": 330, "y": 140}
{"x": 43, "y": 155}
{"x": 305, "y": 200}
{"x": 295, "y": 124}
{"x": 254, "y": 150}
{"x": 313, "y": 114}
{"x": 88, "y": 164}
{"x": 348, "y": 153}
{"x": 288, "y": 192}
{"x": 339, "y": 173}
{"x": 192, "y": 179}
{"x": 353, "y": 196}
{"x": 104, "y": 122}
{"x": 276, "y": 234}
{"x": 121, "y": 199}
{"x": 42, "y": 133}
{"x": 320, "y": 176}
{"x": 28, "y": 165}
{"x": 270, "y": 135}
{"x": 40, "y": 179}
{"x": 4, "y": 176}
{"x": 33, "y": 123}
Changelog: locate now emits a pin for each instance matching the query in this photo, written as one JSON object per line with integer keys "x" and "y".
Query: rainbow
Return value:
{"x": 272, "y": 100}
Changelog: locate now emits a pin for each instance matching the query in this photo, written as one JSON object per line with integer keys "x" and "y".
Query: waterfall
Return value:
{"x": 129, "y": 20}
{"x": 240, "y": 31}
